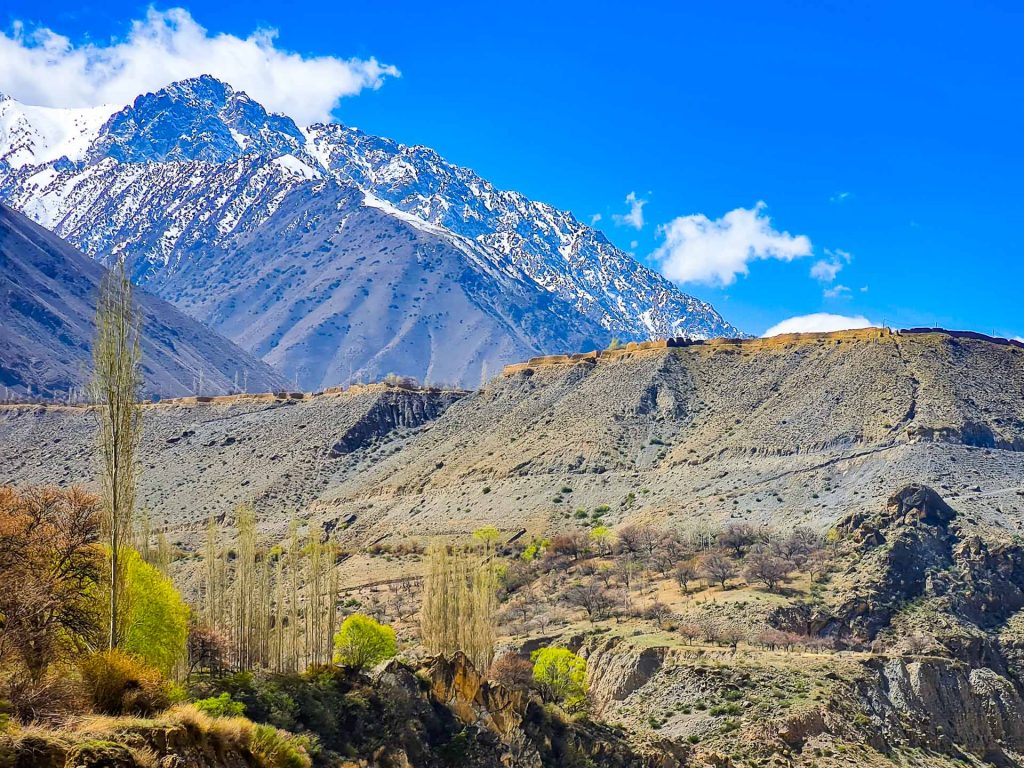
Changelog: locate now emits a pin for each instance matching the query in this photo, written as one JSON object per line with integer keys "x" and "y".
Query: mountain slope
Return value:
{"x": 190, "y": 182}
{"x": 48, "y": 294}
{"x": 568, "y": 258}
{"x": 788, "y": 431}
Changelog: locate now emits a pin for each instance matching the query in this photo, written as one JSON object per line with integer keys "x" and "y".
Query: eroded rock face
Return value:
{"x": 942, "y": 705}
{"x": 530, "y": 737}
{"x": 615, "y": 670}
{"x": 395, "y": 409}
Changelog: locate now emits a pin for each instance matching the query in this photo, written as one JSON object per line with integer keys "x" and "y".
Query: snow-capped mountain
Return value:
{"x": 332, "y": 254}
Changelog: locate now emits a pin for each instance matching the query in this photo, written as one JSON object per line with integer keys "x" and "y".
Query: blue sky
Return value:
{"x": 887, "y": 134}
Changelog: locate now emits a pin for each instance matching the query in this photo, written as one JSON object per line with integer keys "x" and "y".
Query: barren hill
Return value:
{"x": 802, "y": 429}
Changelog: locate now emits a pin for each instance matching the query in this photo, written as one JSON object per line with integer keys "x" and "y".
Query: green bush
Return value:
{"x": 362, "y": 642}
{"x": 156, "y": 616}
{"x": 278, "y": 749}
{"x": 221, "y": 706}
{"x": 119, "y": 684}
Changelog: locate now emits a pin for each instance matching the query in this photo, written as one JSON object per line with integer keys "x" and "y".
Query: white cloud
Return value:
{"x": 836, "y": 292}
{"x": 634, "y": 244}
{"x": 826, "y": 269}
{"x": 43, "y": 67}
{"x": 839, "y": 197}
{"x": 595, "y": 218}
{"x": 819, "y": 323}
{"x": 635, "y": 217}
{"x": 698, "y": 249}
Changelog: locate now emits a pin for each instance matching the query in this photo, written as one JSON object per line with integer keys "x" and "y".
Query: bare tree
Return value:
{"x": 573, "y": 544}
{"x": 629, "y": 540}
{"x": 768, "y": 569}
{"x": 116, "y": 382}
{"x": 718, "y": 568}
{"x": 797, "y": 546}
{"x": 49, "y": 568}
{"x": 819, "y": 563}
{"x": 738, "y": 537}
{"x": 592, "y": 597}
{"x": 685, "y": 572}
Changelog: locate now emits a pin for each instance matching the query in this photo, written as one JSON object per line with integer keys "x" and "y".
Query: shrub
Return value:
{"x": 562, "y": 677}
{"x": 278, "y": 749}
{"x": 46, "y": 699}
{"x": 119, "y": 684}
{"x": 221, "y": 706}
{"x": 362, "y": 642}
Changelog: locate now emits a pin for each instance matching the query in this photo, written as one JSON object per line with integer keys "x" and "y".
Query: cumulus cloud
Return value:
{"x": 818, "y": 323}
{"x": 839, "y": 197}
{"x": 595, "y": 218}
{"x": 635, "y": 217}
{"x": 699, "y": 249}
{"x": 43, "y": 67}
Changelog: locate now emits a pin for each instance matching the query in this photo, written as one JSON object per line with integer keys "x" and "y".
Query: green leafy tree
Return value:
{"x": 153, "y": 614}
{"x": 562, "y": 677}
{"x": 488, "y": 535}
{"x": 362, "y": 642}
{"x": 603, "y": 537}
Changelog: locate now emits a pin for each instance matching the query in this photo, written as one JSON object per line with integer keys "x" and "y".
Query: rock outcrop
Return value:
{"x": 395, "y": 409}
{"x": 616, "y": 669}
{"x": 530, "y": 736}
{"x": 917, "y": 549}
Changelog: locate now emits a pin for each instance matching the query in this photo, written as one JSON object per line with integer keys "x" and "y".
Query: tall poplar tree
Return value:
{"x": 116, "y": 382}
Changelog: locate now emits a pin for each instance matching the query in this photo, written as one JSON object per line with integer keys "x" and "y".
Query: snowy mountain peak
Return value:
{"x": 201, "y": 118}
